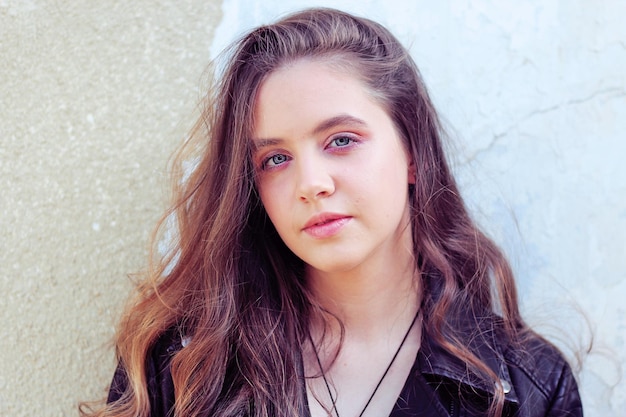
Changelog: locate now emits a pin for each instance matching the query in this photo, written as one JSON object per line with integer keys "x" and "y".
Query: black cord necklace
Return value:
{"x": 380, "y": 381}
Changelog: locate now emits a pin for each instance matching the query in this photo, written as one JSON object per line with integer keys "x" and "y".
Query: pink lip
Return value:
{"x": 325, "y": 224}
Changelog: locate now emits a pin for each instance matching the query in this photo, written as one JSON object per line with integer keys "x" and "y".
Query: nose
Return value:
{"x": 314, "y": 180}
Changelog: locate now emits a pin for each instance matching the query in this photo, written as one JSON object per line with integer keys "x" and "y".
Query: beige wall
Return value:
{"x": 94, "y": 96}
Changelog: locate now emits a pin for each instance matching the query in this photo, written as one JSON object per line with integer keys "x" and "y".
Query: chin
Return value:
{"x": 339, "y": 267}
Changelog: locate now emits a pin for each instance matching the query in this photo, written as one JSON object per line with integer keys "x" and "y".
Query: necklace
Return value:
{"x": 380, "y": 381}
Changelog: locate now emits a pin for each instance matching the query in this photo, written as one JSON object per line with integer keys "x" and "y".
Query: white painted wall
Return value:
{"x": 534, "y": 94}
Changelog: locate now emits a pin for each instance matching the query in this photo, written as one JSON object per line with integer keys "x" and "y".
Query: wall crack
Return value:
{"x": 610, "y": 93}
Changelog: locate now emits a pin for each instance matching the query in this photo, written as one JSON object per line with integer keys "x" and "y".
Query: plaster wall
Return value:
{"x": 94, "y": 96}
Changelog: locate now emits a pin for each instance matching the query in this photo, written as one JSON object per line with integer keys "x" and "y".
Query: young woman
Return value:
{"x": 324, "y": 262}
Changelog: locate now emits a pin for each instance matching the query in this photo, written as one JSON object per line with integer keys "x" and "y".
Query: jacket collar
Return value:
{"x": 480, "y": 336}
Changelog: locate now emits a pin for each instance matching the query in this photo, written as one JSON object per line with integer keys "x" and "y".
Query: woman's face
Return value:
{"x": 332, "y": 172}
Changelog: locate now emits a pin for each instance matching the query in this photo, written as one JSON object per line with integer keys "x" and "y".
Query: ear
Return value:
{"x": 412, "y": 173}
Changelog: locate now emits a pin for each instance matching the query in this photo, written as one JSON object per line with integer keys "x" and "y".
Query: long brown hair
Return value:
{"x": 231, "y": 285}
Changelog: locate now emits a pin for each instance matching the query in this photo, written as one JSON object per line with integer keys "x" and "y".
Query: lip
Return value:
{"x": 325, "y": 225}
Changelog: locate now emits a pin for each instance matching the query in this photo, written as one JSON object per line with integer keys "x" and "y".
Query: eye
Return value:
{"x": 340, "y": 142}
{"x": 275, "y": 160}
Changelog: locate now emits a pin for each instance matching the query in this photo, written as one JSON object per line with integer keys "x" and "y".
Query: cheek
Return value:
{"x": 392, "y": 186}
{"x": 273, "y": 201}
{"x": 266, "y": 199}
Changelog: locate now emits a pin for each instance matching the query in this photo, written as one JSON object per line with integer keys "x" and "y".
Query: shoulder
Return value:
{"x": 540, "y": 375}
{"x": 536, "y": 378}
{"x": 158, "y": 371}
{"x": 158, "y": 375}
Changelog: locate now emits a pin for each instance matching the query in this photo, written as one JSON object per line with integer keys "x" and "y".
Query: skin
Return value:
{"x": 333, "y": 176}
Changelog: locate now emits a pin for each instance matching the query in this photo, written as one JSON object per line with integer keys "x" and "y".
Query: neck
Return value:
{"x": 382, "y": 299}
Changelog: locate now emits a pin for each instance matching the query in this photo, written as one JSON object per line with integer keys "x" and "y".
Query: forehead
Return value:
{"x": 306, "y": 92}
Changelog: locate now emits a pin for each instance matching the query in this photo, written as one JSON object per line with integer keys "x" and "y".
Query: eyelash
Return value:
{"x": 265, "y": 163}
{"x": 349, "y": 138}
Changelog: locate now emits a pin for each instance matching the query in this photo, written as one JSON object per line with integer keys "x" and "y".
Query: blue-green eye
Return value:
{"x": 275, "y": 160}
{"x": 341, "y": 141}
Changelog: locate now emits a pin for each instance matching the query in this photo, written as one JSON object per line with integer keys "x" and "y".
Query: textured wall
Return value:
{"x": 534, "y": 93}
{"x": 94, "y": 96}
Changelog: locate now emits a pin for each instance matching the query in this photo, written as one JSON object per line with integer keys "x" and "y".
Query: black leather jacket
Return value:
{"x": 537, "y": 380}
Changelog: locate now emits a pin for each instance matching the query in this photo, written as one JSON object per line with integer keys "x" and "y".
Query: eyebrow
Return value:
{"x": 340, "y": 120}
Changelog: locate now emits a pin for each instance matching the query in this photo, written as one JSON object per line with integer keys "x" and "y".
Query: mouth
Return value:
{"x": 325, "y": 225}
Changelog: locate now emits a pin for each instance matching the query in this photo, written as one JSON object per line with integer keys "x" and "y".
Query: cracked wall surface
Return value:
{"x": 95, "y": 96}
{"x": 533, "y": 97}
